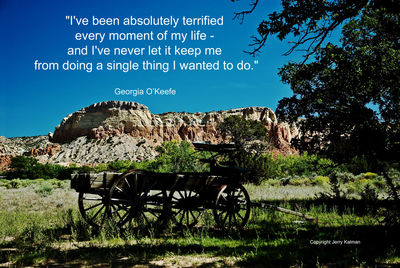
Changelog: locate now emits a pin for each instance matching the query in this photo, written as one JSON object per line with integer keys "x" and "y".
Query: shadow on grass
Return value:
{"x": 266, "y": 243}
{"x": 356, "y": 206}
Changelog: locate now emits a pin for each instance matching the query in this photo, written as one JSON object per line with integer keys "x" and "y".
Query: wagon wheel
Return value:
{"x": 232, "y": 207}
{"x": 133, "y": 203}
{"x": 184, "y": 208}
{"x": 93, "y": 208}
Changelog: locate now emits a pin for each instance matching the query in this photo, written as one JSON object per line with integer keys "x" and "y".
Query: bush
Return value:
{"x": 44, "y": 189}
{"x": 23, "y": 167}
{"x": 357, "y": 165}
{"x": 176, "y": 157}
{"x": 299, "y": 181}
{"x": 15, "y": 183}
{"x": 273, "y": 182}
{"x": 321, "y": 180}
{"x": 370, "y": 175}
{"x": 297, "y": 165}
{"x": 119, "y": 165}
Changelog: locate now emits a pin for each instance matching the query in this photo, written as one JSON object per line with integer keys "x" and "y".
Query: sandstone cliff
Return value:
{"x": 114, "y": 118}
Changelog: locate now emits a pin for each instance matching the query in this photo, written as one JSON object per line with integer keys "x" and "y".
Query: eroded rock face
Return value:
{"x": 5, "y": 161}
{"x": 49, "y": 150}
{"x": 114, "y": 118}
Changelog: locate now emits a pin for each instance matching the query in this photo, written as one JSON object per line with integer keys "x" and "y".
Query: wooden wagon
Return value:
{"x": 139, "y": 197}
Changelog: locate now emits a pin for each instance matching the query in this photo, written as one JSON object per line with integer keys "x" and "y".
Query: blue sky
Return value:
{"x": 34, "y": 103}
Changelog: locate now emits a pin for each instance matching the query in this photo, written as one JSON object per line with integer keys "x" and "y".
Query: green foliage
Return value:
{"x": 29, "y": 168}
{"x": 18, "y": 183}
{"x": 100, "y": 168}
{"x": 321, "y": 180}
{"x": 282, "y": 166}
{"x": 119, "y": 165}
{"x": 176, "y": 157}
{"x": 242, "y": 131}
{"x": 14, "y": 183}
{"x": 350, "y": 95}
{"x": 299, "y": 181}
{"x": 251, "y": 141}
{"x": 44, "y": 189}
{"x": 357, "y": 165}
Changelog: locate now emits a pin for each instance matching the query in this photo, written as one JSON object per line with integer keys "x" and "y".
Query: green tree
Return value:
{"x": 251, "y": 140}
{"x": 243, "y": 133}
{"x": 349, "y": 96}
{"x": 22, "y": 167}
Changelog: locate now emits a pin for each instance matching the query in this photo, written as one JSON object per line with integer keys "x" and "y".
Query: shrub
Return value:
{"x": 44, "y": 189}
{"x": 357, "y": 165}
{"x": 176, "y": 157}
{"x": 119, "y": 165}
{"x": 370, "y": 175}
{"x": 15, "y": 183}
{"x": 273, "y": 182}
{"x": 23, "y": 167}
{"x": 321, "y": 180}
{"x": 280, "y": 166}
{"x": 100, "y": 168}
{"x": 300, "y": 181}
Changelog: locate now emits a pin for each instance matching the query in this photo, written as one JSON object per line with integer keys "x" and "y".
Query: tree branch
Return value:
{"x": 240, "y": 15}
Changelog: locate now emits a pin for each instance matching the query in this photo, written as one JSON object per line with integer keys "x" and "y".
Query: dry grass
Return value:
{"x": 27, "y": 199}
{"x": 269, "y": 192}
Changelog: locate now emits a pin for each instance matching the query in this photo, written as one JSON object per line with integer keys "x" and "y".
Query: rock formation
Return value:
{"x": 117, "y": 130}
{"x": 114, "y": 118}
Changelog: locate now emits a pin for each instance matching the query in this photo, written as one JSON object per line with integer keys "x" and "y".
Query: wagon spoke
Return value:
{"x": 152, "y": 213}
{"x": 145, "y": 219}
{"x": 154, "y": 210}
{"x": 235, "y": 220}
{"x": 226, "y": 216}
{"x": 97, "y": 213}
{"x": 240, "y": 216}
{"x": 96, "y": 205}
{"x": 183, "y": 215}
{"x": 191, "y": 212}
{"x": 179, "y": 192}
{"x": 187, "y": 217}
{"x": 116, "y": 210}
{"x": 121, "y": 191}
{"x": 222, "y": 212}
{"x": 123, "y": 219}
{"x": 156, "y": 195}
{"x": 129, "y": 185}
{"x": 93, "y": 199}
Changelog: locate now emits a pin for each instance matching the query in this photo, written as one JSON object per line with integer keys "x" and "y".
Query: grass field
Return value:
{"x": 40, "y": 227}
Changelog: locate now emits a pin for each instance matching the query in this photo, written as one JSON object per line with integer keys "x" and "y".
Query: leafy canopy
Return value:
{"x": 350, "y": 95}
{"x": 243, "y": 132}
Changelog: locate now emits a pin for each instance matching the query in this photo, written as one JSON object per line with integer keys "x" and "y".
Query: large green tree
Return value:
{"x": 349, "y": 96}
{"x": 346, "y": 95}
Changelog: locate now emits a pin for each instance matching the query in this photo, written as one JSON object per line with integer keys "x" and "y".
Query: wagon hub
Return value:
{"x": 232, "y": 205}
